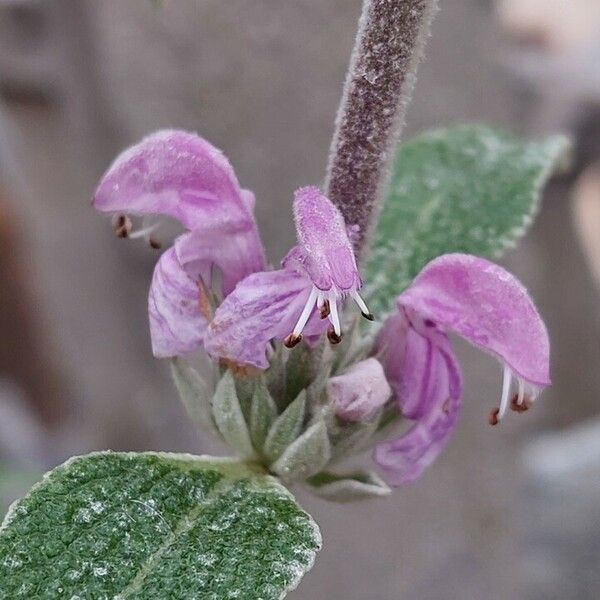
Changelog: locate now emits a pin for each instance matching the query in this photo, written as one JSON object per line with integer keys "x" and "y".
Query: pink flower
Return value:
{"x": 180, "y": 175}
{"x": 489, "y": 308}
{"x": 294, "y": 301}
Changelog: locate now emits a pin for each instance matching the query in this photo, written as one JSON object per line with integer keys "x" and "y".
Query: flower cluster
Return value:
{"x": 212, "y": 290}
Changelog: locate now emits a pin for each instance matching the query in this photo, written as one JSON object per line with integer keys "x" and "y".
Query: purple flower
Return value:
{"x": 178, "y": 309}
{"x": 283, "y": 305}
{"x": 179, "y": 175}
{"x": 489, "y": 308}
{"x": 359, "y": 392}
{"x": 264, "y": 306}
{"x": 237, "y": 313}
{"x": 325, "y": 254}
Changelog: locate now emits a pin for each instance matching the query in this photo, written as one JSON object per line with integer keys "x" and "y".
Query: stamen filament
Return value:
{"x": 145, "y": 231}
{"x": 506, "y": 380}
{"x": 306, "y": 311}
{"x": 364, "y": 309}
{"x": 334, "y": 317}
{"x": 521, "y": 393}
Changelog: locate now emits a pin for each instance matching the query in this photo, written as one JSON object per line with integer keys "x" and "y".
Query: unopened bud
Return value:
{"x": 360, "y": 391}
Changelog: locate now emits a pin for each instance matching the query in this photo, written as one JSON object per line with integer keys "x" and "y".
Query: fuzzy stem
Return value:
{"x": 381, "y": 77}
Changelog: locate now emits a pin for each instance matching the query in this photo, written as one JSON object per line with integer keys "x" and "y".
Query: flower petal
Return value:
{"x": 360, "y": 391}
{"x": 177, "y": 324}
{"x": 487, "y": 306}
{"x": 181, "y": 175}
{"x": 263, "y": 306}
{"x": 431, "y": 388}
{"x": 177, "y": 174}
{"x": 325, "y": 251}
{"x": 236, "y": 254}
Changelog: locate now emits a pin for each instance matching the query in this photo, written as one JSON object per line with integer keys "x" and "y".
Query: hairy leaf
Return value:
{"x": 468, "y": 189}
{"x": 286, "y": 428}
{"x": 155, "y": 527}
{"x": 194, "y": 393}
{"x": 306, "y": 455}
{"x": 262, "y": 415}
{"x": 229, "y": 416}
{"x": 348, "y": 488}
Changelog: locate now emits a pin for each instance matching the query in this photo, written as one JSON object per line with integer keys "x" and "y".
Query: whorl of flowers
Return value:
{"x": 213, "y": 291}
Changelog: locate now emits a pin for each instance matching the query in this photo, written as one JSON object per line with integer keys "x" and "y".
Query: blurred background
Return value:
{"x": 506, "y": 513}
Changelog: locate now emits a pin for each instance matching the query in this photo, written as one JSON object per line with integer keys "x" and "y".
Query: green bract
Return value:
{"x": 155, "y": 526}
{"x": 469, "y": 189}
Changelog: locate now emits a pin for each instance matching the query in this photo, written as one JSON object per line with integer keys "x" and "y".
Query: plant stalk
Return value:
{"x": 388, "y": 49}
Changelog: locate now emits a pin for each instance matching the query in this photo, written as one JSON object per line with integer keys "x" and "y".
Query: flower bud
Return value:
{"x": 359, "y": 391}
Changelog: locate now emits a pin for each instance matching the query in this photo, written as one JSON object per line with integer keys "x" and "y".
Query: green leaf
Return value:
{"x": 351, "y": 487}
{"x": 300, "y": 370}
{"x": 194, "y": 394}
{"x": 262, "y": 415}
{"x": 315, "y": 392}
{"x": 306, "y": 455}
{"x": 286, "y": 428}
{"x": 230, "y": 418}
{"x": 244, "y": 387}
{"x": 354, "y": 437}
{"x": 155, "y": 526}
{"x": 468, "y": 189}
{"x": 275, "y": 374}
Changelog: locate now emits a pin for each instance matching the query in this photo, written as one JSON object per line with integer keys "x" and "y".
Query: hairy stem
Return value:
{"x": 389, "y": 46}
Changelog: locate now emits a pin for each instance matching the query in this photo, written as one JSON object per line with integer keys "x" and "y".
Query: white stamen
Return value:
{"x": 506, "y": 380}
{"x": 521, "y": 393}
{"x": 361, "y": 303}
{"x": 305, "y": 315}
{"x": 145, "y": 231}
{"x": 333, "y": 314}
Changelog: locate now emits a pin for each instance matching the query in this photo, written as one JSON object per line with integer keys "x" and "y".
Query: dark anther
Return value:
{"x": 121, "y": 226}
{"x": 493, "y": 417}
{"x": 292, "y": 340}
{"x": 154, "y": 243}
{"x": 520, "y": 408}
{"x": 333, "y": 337}
{"x": 368, "y": 316}
{"x": 325, "y": 309}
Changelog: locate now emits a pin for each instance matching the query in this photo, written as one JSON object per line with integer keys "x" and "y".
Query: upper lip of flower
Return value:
{"x": 325, "y": 254}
